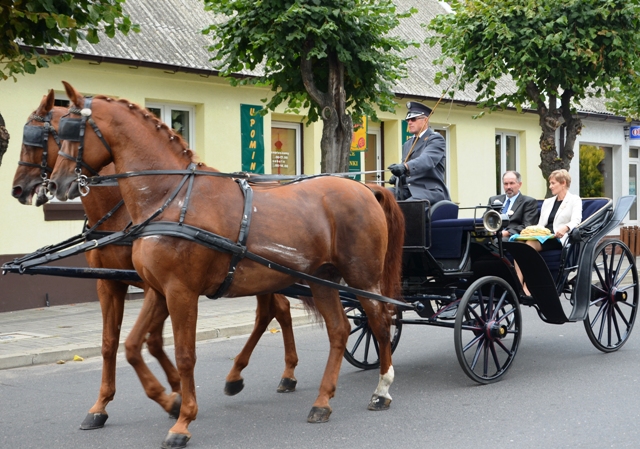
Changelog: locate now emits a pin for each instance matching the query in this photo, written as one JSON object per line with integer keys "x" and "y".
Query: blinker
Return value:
{"x": 69, "y": 129}
{"x": 33, "y": 136}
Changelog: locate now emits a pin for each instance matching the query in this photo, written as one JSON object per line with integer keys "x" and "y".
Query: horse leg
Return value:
{"x": 183, "y": 309}
{"x": 155, "y": 345}
{"x": 282, "y": 309}
{"x": 111, "y": 295}
{"x": 269, "y": 306}
{"x": 328, "y": 303}
{"x": 152, "y": 314}
{"x": 379, "y": 318}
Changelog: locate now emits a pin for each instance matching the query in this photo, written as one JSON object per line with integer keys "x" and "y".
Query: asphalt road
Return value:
{"x": 560, "y": 393}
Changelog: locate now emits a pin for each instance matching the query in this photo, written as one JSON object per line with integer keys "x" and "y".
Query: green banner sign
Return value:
{"x": 406, "y": 135}
{"x": 354, "y": 164}
{"x": 252, "y": 131}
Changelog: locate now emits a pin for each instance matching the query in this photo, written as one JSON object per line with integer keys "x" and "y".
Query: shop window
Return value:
{"x": 285, "y": 148}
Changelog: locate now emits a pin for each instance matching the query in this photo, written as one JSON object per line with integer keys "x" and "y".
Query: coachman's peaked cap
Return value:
{"x": 416, "y": 110}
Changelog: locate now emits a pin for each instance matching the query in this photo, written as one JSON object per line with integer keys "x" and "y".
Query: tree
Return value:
{"x": 335, "y": 57}
{"x": 557, "y": 52}
{"x": 28, "y": 29}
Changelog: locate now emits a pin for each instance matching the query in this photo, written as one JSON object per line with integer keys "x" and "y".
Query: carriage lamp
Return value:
{"x": 493, "y": 221}
{"x": 626, "y": 129}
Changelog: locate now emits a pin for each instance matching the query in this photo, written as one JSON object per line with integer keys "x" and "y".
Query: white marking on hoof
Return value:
{"x": 384, "y": 383}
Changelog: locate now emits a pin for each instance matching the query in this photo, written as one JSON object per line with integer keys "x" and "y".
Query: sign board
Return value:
{"x": 252, "y": 133}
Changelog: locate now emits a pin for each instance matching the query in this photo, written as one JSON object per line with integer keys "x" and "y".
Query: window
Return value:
{"x": 180, "y": 118}
{"x": 285, "y": 148}
{"x": 633, "y": 182}
{"x": 596, "y": 168}
{"x": 507, "y": 156}
{"x": 444, "y": 132}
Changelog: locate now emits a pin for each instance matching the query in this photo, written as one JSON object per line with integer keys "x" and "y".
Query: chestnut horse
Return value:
{"x": 329, "y": 227}
{"x": 38, "y": 155}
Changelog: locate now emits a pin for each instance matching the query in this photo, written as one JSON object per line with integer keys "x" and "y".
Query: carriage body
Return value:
{"x": 458, "y": 274}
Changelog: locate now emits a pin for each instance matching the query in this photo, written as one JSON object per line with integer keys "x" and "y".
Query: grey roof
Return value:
{"x": 171, "y": 36}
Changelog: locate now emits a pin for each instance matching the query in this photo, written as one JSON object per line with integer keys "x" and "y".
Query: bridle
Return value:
{"x": 73, "y": 130}
{"x": 38, "y": 136}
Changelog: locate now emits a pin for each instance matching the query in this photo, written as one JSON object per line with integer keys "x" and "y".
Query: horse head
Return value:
{"x": 75, "y": 165}
{"x": 39, "y": 151}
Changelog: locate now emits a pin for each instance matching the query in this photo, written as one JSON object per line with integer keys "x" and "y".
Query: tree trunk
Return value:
{"x": 550, "y": 119}
{"x": 4, "y": 138}
{"x": 337, "y": 124}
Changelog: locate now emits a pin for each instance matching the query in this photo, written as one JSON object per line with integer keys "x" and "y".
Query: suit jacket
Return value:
{"x": 569, "y": 213}
{"x": 523, "y": 212}
{"x": 426, "y": 163}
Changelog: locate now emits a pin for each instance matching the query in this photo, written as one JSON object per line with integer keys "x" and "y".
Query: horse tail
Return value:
{"x": 392, "y": 273}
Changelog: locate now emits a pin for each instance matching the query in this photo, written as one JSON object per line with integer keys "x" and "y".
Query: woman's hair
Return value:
{"x": 561, "y": 176}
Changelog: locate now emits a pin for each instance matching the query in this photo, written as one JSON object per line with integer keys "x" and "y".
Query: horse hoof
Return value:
{"x": 233, "y": 388}
{"x": 319, "y": 414}
{"x": 175, "y": 409}
{"x": 287, "y": 385}
{"x": 94, "y": 421}
{"x": 379, "y": 403}
{"x": 175, "y": 441}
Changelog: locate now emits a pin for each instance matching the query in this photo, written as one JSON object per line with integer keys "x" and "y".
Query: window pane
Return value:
{"x": 498, "y": 164}
{"x": 180, "y": 123}
{"x": 595, "y": 171}
{"x": 156, "y": 111}
{"x": 633, "y": 189}
{"x": 283, "y": 151}
{"x": 511, "y": 152}
{"x": 633, "y": 153}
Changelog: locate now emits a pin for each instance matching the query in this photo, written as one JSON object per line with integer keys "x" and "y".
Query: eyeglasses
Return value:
{"x": 413, "y": 119}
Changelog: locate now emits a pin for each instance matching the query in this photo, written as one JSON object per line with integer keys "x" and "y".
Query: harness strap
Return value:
{"x": 32, "y": 165}
{"x": 242, "y": 238}
{"x": 223, "y": 244}
{"x": 78, "y": 162}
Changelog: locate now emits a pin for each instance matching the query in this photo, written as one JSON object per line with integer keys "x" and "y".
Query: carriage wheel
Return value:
{"x": 362, "y": 347}
{"x": 614, "y": 296}
{"x": 487, "y": 333}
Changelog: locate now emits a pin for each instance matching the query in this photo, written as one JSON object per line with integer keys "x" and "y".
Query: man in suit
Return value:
{"x": 522, "y": 210}
{"x": 421, "y": 172}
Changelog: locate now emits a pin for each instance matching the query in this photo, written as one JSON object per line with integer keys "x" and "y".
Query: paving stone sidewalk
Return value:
{"x": 50, "y": 334}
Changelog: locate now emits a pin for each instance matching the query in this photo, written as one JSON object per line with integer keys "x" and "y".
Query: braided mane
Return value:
{"x": 159, "y": 125}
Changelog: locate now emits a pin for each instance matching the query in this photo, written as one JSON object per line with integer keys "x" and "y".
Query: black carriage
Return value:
{"x": 458, "y": 274}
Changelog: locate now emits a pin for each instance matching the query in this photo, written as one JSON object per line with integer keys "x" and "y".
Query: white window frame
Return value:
{"x": 165, "y": 116}
{"x": 503, "y": 152}
{"x": 297, "y": 127}
{"x": 636, "y": 162}
{"x": 447, "y": 139}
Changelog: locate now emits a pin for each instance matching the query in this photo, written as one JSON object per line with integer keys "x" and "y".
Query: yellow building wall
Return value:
{"x": 217, "y": 136}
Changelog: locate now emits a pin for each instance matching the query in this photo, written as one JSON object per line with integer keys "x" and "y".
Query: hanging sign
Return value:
{"x": 634, "y": 132}
{"x": 359, "y": 136}
{"x": 252, "y": 133}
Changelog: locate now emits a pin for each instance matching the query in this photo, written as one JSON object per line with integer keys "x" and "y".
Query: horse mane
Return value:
{"x": 147, "y": 115}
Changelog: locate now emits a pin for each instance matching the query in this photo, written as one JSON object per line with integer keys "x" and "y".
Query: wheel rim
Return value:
{"x": 488, "y": 331}
{"x": 614, "y": 297}
{"x": 362, "y": 349}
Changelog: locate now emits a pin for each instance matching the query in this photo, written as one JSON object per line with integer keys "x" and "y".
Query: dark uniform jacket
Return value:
{"x": 426, "y": 163}
{"x": 523, "y": 212}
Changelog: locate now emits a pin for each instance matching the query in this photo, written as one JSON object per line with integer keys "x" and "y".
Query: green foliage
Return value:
{"x": 583, "y": 47}
{"x": 272, "y": 37}
{"x": 25, "y": 25}
{"x": 591, "y": 176}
